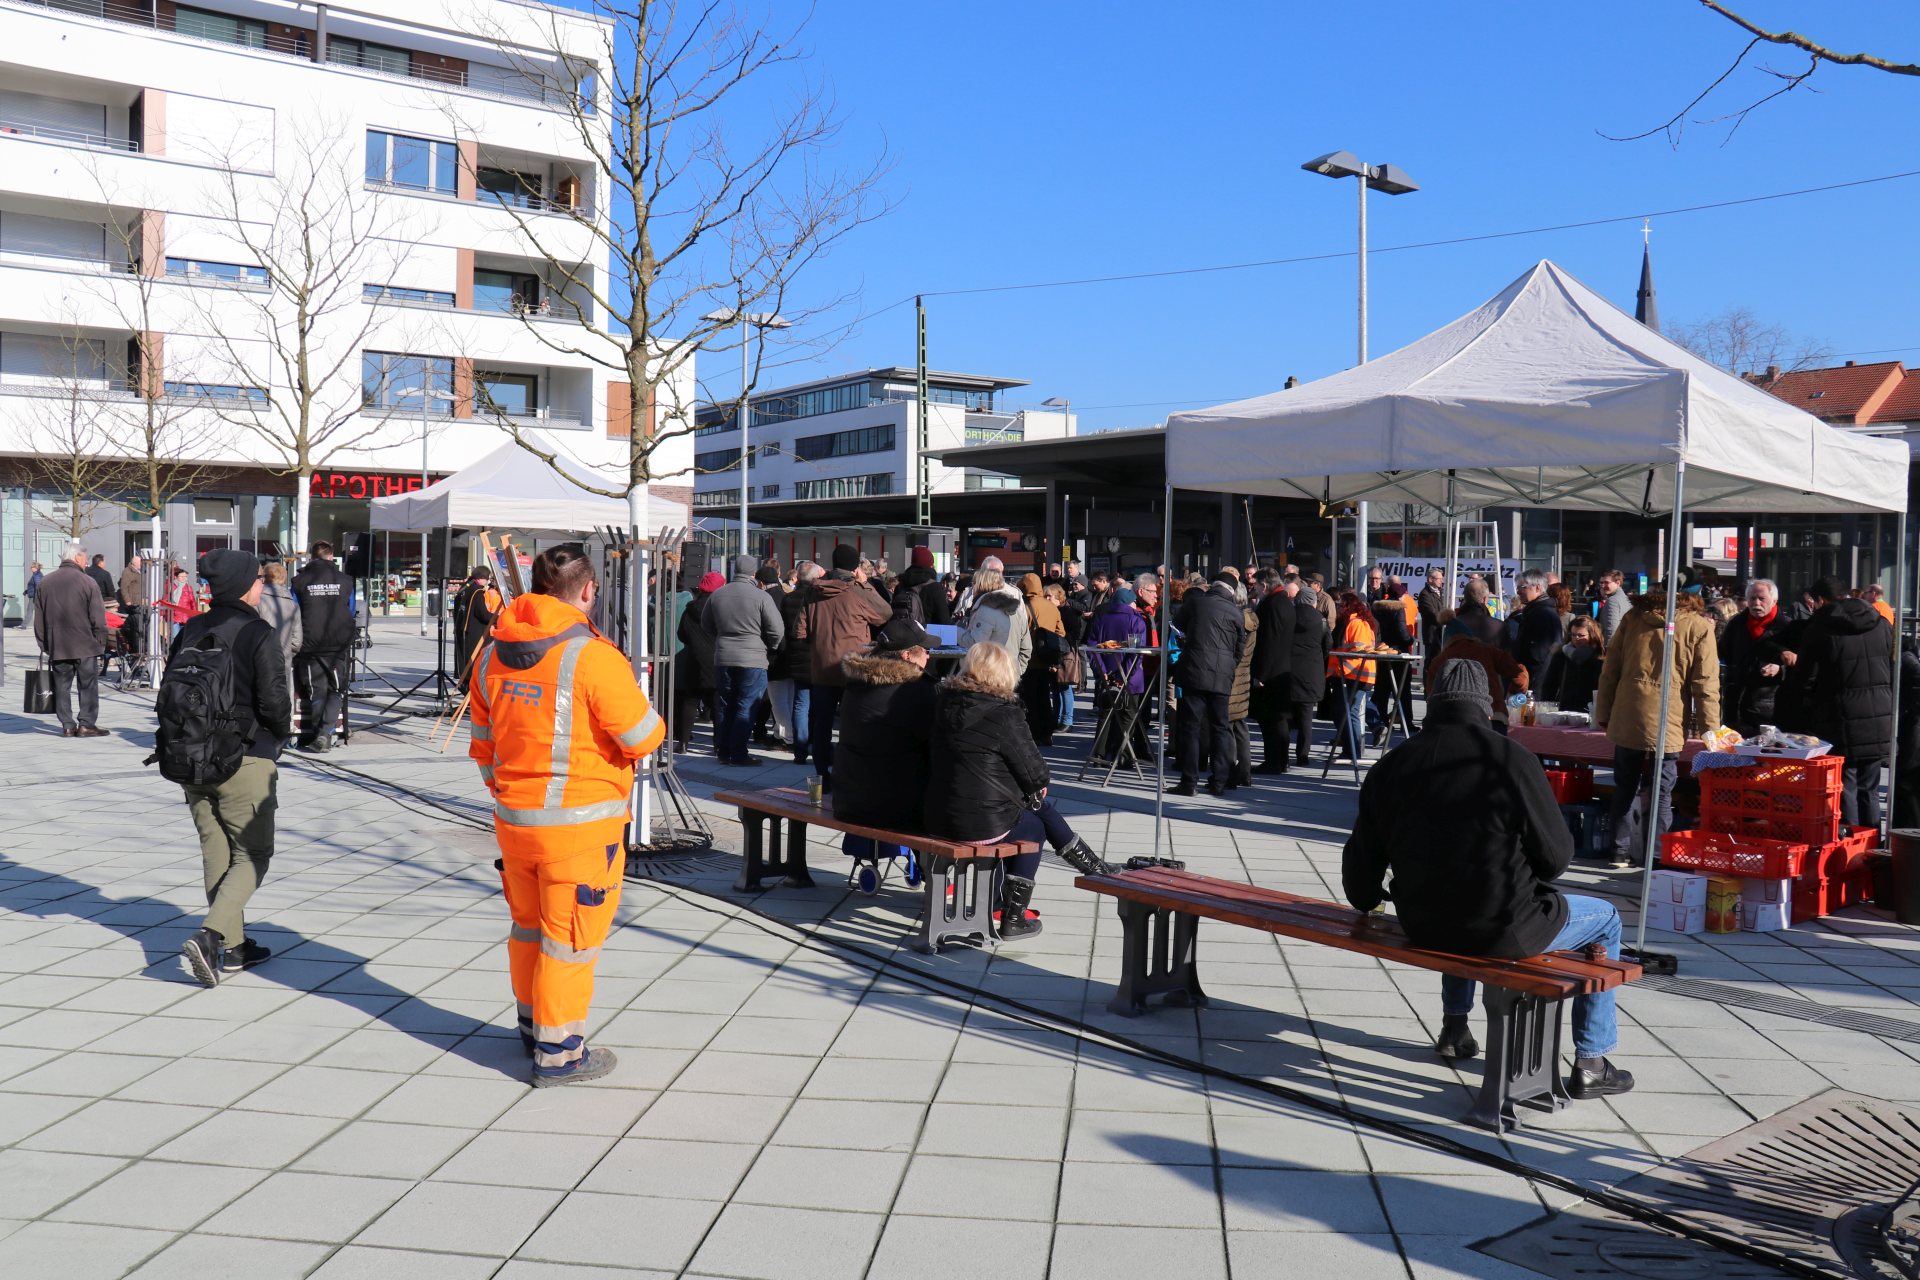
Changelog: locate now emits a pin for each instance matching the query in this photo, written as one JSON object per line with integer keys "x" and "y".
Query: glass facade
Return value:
{"x": 220, "y": 26}
{"x": 722, "y": 460}
{"x": 390, "y": 380}
{"x": 876, "y": 485}
{"x": 420, "y": 164}
{"x": 808, "y": 404}
{"x": 223, "y": 272}
{"x": 395, "y": 293}
{"x": 841, "y": 444}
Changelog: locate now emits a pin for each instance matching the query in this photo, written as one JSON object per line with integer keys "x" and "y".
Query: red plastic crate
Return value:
{"x": 1795, "y": 828}
{"x": 1715, "y": 851}
{"x": 1573, "y": 785}
{"x": 1817, "y": 897}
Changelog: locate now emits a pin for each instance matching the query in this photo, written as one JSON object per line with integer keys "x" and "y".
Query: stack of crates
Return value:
{"x": 1778, "y": 820}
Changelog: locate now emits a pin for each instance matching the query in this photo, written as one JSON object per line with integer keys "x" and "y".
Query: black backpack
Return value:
{"x": 202, "y": 738}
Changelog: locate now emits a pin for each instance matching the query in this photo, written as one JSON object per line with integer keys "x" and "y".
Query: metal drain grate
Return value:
{"x": 1813, "y": 1184}
{"x": 1872, "y": 1024}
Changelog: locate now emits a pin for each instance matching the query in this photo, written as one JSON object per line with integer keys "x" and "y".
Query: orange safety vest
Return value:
{"x": 1358, "y": 635}
{"x": 557, "y": 724}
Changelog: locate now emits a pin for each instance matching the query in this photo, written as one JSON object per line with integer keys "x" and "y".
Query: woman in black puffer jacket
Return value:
{"x": 989, "y": 780}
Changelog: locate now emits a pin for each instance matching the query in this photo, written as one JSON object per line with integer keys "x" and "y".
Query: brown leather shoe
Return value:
{"x": 89, "y": 731}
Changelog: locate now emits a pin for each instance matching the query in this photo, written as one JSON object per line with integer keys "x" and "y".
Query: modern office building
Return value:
{"x": 834, "y": 446}
{"x": 156, "y": 161}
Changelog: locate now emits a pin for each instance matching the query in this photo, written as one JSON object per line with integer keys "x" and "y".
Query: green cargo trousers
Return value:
{"x": 235, "y": 822}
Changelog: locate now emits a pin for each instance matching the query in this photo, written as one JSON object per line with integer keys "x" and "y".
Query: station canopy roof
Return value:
{"x": 1546, "y": 395}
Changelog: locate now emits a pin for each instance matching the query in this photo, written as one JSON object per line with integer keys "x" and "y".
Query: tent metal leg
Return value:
{"x": 1899, "y": 617}
{"x": 1160, "y": 676}
{"x": 1666, "y": 701}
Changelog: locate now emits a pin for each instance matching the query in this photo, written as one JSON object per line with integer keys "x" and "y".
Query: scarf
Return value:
{"x": 1756, "y": 627}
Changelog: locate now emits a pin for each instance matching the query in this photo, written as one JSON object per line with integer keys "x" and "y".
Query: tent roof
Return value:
{"x": 1546, "y": 395}
{"x": 511, "y": 489}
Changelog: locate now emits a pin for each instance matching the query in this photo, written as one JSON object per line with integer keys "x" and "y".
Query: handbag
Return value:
{"x": 39, "y": 699}
{"x": 1049, "y": 649}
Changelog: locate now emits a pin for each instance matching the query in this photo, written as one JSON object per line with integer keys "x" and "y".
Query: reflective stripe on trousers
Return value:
{"x": 562, "y": 910}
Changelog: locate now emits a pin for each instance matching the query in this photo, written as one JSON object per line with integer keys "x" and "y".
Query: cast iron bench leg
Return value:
{"x": 788, "y": 856}
{"x": 975, "y": 888}
{"x": 752, "y": 865}
{"x": 1160, "y": 955}
{"x": 1523, "y": 1059}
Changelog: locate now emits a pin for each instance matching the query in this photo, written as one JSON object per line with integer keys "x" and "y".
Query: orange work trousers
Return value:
{"x": 562, "y": 907}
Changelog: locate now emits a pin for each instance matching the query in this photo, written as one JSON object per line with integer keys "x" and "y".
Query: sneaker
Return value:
{"x": 205, "y": 955}
{"x": 592, "y": 1065}
{"x": 245, "y": 956}
{"x": 1605, "y": 1082}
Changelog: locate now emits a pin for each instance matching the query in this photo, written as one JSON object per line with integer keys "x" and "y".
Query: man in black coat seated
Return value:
{"x": 1464, "y": 821}
{"x": 1215, "y": 634}
{"x": 1839, "y": 687}
{"x": 886, "y": 731}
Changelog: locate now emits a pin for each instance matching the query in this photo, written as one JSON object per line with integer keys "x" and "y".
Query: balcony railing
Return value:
{"x": 64, "y": 262}
{"x": 301, "y": 47}
{"x": 66, "y": 137}
{"x": 558, "y": 309}
{"x": 122, "y": 390}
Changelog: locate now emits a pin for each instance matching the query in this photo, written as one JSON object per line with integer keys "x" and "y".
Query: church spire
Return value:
{"x": 1645, "y": 309}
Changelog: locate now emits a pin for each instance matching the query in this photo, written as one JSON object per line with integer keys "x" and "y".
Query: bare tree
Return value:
{"x": 1741, "y": 342}
{"x": 72, "y": 451}
{"x": 321, "y": 233}
{"x": 1784, "y": 81}
{"x": 700, "y": 227}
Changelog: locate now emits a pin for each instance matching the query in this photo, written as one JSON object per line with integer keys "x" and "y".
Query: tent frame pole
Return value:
{"x": 1899, "y": 617}
{"x": 1160, "y": 675}
{"x": 1452, "y": 584}
{"x": 1652, "y": 848}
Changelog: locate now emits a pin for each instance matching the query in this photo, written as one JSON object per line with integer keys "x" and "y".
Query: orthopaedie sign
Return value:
{"x": 360, "y": 484}
{"x": 1414, "y": 571}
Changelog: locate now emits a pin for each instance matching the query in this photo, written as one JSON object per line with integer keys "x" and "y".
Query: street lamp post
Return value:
{"x": 428, "y": 395}
{"x": 1392, "y": 180}
{"x": 762, "y": 320}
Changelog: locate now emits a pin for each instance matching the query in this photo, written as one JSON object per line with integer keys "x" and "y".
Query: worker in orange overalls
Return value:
{"x": 557, "y": 725}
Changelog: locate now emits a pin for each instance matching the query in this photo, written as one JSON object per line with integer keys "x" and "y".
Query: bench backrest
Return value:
{"x": 1554, "y": 977}
{"x": 794, "y": 804}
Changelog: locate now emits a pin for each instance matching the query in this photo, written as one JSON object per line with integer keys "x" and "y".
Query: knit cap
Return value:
{"x": 1462, "y": 682}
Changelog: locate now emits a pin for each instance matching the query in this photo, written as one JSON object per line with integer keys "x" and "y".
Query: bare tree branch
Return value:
{"x": 1820, "y": 52}
{"x": 1741, "y": 342}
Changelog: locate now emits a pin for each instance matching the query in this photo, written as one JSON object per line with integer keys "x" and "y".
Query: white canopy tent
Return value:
{"x": 1547, "y": 395}
{"x": 512, "y": 489}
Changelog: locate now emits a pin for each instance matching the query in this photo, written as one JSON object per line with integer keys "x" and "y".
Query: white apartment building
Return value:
{"x": 150, "y": 149}
{"x": 853, "y": 437}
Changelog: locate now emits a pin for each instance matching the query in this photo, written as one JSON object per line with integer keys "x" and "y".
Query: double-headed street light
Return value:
{"x": 1391, "y": 180}
{"x": 761, "y": 320}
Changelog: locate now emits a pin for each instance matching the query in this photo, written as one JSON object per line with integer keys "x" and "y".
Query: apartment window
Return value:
{"x": 807, "y": 404}
{"x": 223, "y": 27}
{"x": 841, "y": 444}
{"x": 715, "y": 424}
{"x": 390, "y": 380}
{"x": 515, "y": 292}
{"x": 717, "y": 498}
{"x": 509, "y": 187}
{"x": 722, "y": 460}
{"x": 374, "y": 57}
{"x": 419, "y": 164}
{"x": 216, "y": 391}
{"x": 216, "y": 272}
{"x": 513, "y": 394}
{"x": 769, "y": 491}
{"x": 846, "y": 487}
{"x": 399, "y": 293}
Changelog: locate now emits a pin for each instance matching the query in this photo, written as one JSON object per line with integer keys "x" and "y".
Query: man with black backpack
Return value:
{"x": 224, "y": 712}
{"x": 326, "y": 639}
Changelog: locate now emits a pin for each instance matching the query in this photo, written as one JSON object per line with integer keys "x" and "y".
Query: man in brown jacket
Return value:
{"x": 133, "y": 603}
{"x": 1627, "y": 706}
{"x": 838, "y": 618}
{"x": 71, "y": 628}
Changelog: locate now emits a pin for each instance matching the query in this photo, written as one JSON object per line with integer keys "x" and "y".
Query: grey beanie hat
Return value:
{"x": 744, "y": 566}
{"x": 1462, "y": 681}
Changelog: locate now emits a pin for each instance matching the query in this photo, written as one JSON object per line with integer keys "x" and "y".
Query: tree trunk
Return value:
{"x": 302, "y": 499}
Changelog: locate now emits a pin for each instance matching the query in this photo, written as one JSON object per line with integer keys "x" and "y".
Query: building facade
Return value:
{"x": 853, "y": 437}
{"x": 203, "y": 208}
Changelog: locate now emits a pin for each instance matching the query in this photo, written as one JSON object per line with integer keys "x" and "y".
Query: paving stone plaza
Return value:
{"x": 799, "y": 1095}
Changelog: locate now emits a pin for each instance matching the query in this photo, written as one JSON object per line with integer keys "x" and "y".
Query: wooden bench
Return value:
{"x": 961, "y": 881}
{"x": 1161, "y": 910}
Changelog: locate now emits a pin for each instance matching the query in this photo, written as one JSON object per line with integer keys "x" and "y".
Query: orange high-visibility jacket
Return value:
{"x": 1358, "y": 635}
{"x": 557, "y": 724}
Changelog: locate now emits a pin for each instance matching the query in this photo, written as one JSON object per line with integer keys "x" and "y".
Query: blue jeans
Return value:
{"x": 799, "y": 715}
{"x": 1044, "y": 823}
{"x": 820, "y": 715}
{"x": 1596, "y": 1029}
{"x": 1063, "y": 706}
{"x": 738, "y": 689}
{"x": 1356, "y": 706}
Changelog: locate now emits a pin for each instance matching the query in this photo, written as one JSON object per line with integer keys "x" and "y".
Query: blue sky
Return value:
{"x": 1042, "y": 141}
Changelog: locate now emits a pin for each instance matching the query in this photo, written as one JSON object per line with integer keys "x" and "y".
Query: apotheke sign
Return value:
{"x": 360, "y": 485}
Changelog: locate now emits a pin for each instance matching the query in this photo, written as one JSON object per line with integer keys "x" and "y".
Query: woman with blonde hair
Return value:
{"x": 998, "y": 614}
{"x": 989, "y": 781}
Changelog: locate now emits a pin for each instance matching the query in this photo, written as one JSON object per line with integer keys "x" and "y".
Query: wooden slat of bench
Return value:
{"x": 1554, "y": 977}
{"x": 793, "y": 804}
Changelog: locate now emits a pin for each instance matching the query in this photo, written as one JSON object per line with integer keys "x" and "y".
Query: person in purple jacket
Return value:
{"x": 1120, "y": 677}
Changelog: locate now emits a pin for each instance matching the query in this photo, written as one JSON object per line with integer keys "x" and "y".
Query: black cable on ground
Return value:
{"x": 1630, "y": 1207}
